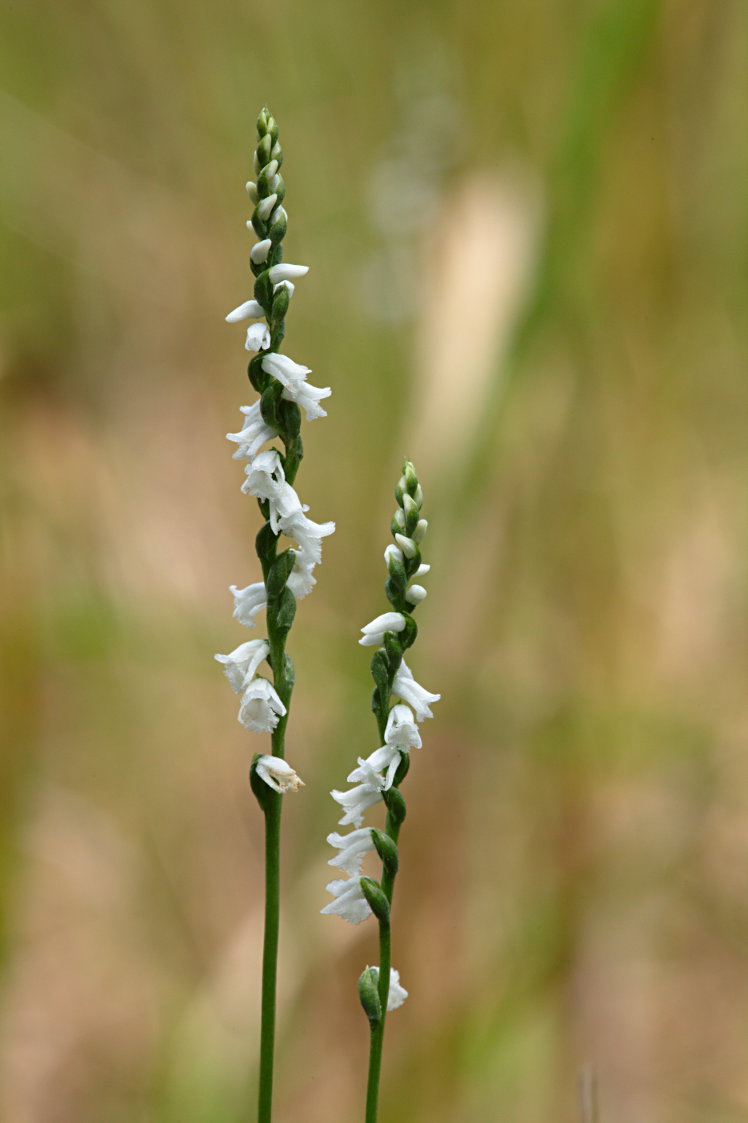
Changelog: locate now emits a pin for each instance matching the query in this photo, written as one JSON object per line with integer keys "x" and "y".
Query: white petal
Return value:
{"x": 352, "y": 847}
{"x": 258, "y": 337}
{"x": 260, "y": 250}
{"x": 396, "y": 994}
{"x": 265, "y": 206}
{"x": 415, "y": 594}
{"x": 260, "y": 707}
{"x": 406, "y": 544}
{"x": 387, "y": 622}
{"x": 287, "y": 272}
{"x": 355, "y": 801}
{"x": 394, "y": 553}
{"x": 248, "y": 602}
{"x": 405, "y": 686}
{"x": 242, "y": 663}
{"x": 249, "y": 310}
{"x": 253, "y": 434}
{"x": 401, "y": 731}
{"x": 284, "y": 368}
{"x": 348, "y": 900}
{"x": 278, "y": 774}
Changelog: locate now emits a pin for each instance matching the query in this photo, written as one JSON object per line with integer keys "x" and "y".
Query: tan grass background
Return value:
{"x": 527, "y": 230}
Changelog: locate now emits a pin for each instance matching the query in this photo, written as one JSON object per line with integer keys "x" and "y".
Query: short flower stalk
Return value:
{"x": 377, "y": 778}
{"x": 287, "y": 573}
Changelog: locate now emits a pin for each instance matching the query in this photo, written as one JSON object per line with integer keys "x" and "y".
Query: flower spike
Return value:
{"x": 398, "y": 702}
{"x": 270, "y": 443}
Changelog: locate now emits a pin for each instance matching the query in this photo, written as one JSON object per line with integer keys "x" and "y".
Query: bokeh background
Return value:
{"x": 528, "y": 238}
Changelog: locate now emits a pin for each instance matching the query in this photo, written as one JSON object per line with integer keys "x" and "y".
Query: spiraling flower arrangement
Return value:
{"x": 288, "y": 573}
{"x": 378, "y": 777}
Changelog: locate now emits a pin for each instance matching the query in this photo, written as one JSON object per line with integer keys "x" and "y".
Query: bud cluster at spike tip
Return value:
{"x": 399, "y": 703}
{"x": 270, "y": 472}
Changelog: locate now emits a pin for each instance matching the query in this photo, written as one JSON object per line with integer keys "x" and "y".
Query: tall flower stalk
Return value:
{"x": 378, "y": 777}
{"x": 287, "y": 572}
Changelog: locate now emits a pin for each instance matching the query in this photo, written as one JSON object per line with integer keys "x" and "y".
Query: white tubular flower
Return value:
{"x": 356, "y": 800}
{"x": 352, "y": 847}
{"x": 406, "y": 687}
{"x": 241, "y": 665}
{"x": 348, "y": 900}
{"x": 422, "y": 570}
{"x": 260, "y": 250}
{"x": 249, "y": 310}
{"x": 266, "y": 480}
{"x": 415, "y": 594}
{"x": 396, "y": 994}
{"x": 258, "y": 337}
{"x": 292, "y": 376}
{"x": 309, "y": 535}
{"x": 379, "y": 768}
{"x": 265, "y": 475}
{"x": 374, "y": 631}
{"x": 286, "y": 285}
{"x": 407, "y": 545}
{"x": 248, "y": 602}
{"x": 420, "y": 532}
{"x": 261, "y": 707}
{"x": 287, "y": 272}
{"x": 402, "y": 732}
{"x": 278, "y": 774}
{"x": 253, "y": 434}
{"x": 301, "y": 580}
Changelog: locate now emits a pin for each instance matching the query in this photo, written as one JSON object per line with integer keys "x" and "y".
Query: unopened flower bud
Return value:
{"x": 406, "y": 544}
{"x": 376, "y": 898}
{"x": 368, "y": 993}
{"x": 263, "y": 150}
{"x": 395, "y": 805}
{"x": 260, "y": 250}
{"x": 386, "y": 848}
{"x": 265, "y": 207}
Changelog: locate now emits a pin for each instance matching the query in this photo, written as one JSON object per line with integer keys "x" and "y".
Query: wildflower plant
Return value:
{"x": 399, "y": 703}
{"x": 287, "y": 570}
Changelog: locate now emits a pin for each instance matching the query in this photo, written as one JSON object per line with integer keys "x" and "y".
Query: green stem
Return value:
{"x": 272, "y": 804}
{"x": 376, "y": 1040}
{"x": 269, "y": 955}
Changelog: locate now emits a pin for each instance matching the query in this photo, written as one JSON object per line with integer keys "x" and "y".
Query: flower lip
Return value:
{"x": 348, "y": 900}
{"x": 261, "y": 707}
{"x": 401, "y": 731}
{"x": 258, "y": 337}
{"x": 278, "y": 774}
{"x": 240, "y": 666}
{"x": 406, "y": 687}
{"x": 248, "y": 602}
{"x": 292, "y": 376}
{"x": 356, "y": 800}
{"x": 352, "y": 847}
{"x": 396, "y": 994}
